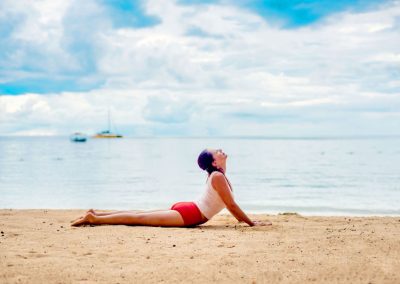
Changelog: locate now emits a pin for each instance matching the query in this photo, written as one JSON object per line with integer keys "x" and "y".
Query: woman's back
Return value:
{"x": 210, "y": 203}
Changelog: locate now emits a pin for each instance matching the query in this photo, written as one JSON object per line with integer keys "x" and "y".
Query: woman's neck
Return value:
{"x": 223, "y": 168}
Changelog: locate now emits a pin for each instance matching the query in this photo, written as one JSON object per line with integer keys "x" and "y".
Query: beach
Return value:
{"x": 40, "y": 246}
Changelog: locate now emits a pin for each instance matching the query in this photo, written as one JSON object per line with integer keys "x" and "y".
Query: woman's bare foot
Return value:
{"x": 88, "y": 219}
{"x": 91, "y": 211}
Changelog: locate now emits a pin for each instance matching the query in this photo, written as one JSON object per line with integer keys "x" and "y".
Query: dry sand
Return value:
{"x": 39, "y": 246}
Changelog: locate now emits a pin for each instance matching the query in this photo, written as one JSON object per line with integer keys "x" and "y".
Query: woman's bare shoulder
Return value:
{"x": 216, "y": 176}
{"x": 218, "y": 179}
{"x": 216, "y": 173}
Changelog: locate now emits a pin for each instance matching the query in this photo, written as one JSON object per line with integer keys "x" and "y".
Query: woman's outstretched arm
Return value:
{"x": 239, "y": 214}
{"x": 221, "y": 186}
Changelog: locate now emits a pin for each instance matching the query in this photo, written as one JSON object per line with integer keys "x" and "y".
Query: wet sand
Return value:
{"x": 40, "y": 246}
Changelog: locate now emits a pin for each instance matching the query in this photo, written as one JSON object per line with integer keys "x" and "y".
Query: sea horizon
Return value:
{"x": 272, "y": 137}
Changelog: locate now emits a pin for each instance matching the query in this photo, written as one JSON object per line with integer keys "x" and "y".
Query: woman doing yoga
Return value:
{"x": 217, "y": 196}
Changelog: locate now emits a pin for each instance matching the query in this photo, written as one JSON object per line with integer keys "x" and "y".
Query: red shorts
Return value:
{"x": 190, "y": 213}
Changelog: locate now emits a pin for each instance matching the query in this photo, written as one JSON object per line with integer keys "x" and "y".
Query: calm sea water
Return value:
{"x": 308, "y": 176}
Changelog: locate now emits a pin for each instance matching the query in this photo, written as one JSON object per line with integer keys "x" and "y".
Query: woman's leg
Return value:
{"x": 114, "y": 212}
{"x": 119, "y": 212}
{"x": 165, "y": 218}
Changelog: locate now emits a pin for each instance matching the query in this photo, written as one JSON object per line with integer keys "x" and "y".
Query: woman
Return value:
{"x": 217, "y": 196}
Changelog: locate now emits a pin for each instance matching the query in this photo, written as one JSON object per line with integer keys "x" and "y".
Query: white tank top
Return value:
{"x": 210, "y": 203}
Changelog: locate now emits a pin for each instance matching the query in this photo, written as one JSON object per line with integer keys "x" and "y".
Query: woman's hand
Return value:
{"x": 262, "y": 223}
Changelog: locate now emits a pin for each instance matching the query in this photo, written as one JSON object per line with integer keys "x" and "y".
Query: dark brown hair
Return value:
{"x": 205, "y": 162}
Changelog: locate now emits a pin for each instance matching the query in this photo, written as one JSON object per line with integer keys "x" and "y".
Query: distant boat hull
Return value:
{"x": 107, "y": 136}
{"x": 78, "y": 137}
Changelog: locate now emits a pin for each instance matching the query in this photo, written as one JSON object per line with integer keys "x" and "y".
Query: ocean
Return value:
{"x": 310, "y": 176}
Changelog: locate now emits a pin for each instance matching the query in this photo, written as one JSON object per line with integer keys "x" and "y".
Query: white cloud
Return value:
{"x": 240, "y": 75}
{"x": 386, "y": 58}
{"x": 36, "y": 36}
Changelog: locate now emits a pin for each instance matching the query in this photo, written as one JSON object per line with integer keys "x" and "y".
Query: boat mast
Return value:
{"x": 109, "y": 129}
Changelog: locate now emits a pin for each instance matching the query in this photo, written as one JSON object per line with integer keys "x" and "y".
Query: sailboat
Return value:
{"x": 107, "y": 133}
{"x": 78, "y": 137}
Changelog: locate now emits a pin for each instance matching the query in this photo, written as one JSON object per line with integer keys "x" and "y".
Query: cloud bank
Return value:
{"x": 198, "y": 69}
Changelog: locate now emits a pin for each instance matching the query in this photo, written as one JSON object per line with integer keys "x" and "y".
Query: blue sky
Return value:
{"x": 200, "y": 68}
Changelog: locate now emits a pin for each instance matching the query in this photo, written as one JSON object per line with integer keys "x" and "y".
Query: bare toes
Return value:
{"x": 76, "y": 219}
{"x": 88, "y": 219}
{"x": 91, "y": 211}
{"x": 78, "y": 222}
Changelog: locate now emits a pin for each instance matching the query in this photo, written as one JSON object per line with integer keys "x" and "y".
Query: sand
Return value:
{"x": 39, "y": 246}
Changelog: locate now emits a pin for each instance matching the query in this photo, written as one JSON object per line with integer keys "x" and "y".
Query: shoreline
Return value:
{"x": 226, "y": 212}
{"x": 39, "y": 245}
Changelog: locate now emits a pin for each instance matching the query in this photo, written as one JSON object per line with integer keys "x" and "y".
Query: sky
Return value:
{"x": 200, "y": 68}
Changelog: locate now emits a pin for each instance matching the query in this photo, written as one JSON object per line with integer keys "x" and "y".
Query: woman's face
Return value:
{"x": 219, "y": 157}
